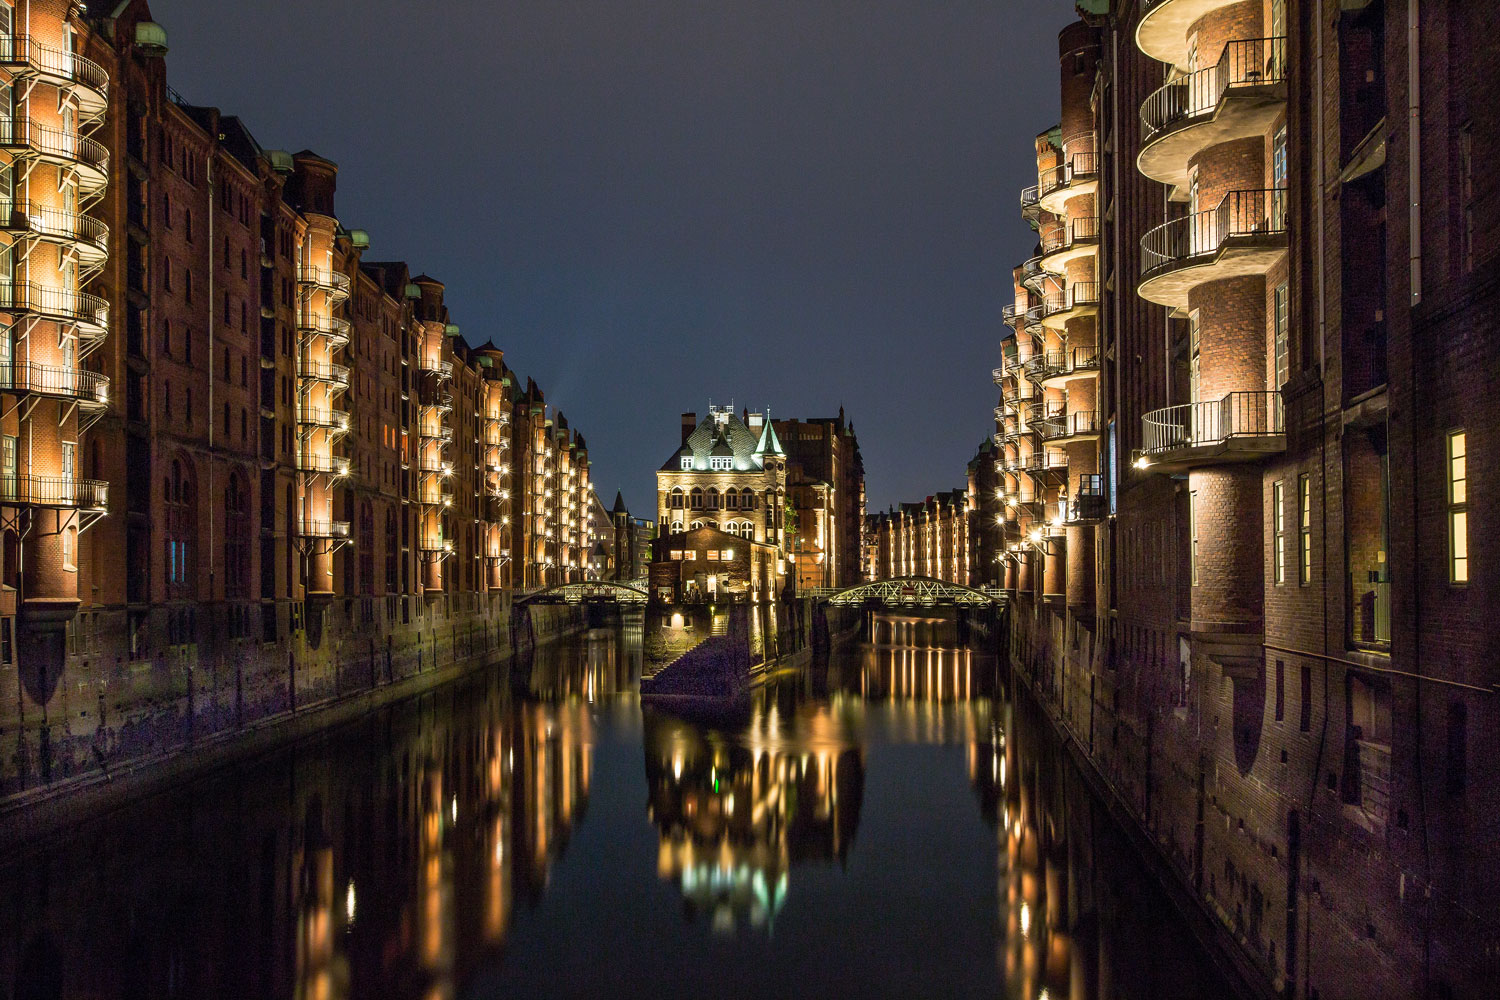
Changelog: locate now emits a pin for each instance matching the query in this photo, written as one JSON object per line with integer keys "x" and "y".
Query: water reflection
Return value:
{"x": 420, "y": 852}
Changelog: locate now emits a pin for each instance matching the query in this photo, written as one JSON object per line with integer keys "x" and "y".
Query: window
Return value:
{"x": 1283, "y": 324}
{"x": 695, "y": 498}
{"x": 1280, "y": 690}
{"x": 721, "y": 463}
{"x": 687, "y": 462}
{"x": 1194, "y": 343}
{"x": 1193, "y": 533}
{"x": 677, "y": 554}
{"x": 690, "y": 556}
{"x": 712, "y": 555}
{"x": 1304, "y": 529}
{"x": 1278, "y": 529}
{"x": 1278, "y": 158}
{"x": 1305, "y": 723}
{"x": 1458, "y": 508}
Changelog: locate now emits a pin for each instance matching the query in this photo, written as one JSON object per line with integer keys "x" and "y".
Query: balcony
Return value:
{"x": 1078, "y": 174}
{"x": 23, "y": 377}
{"x": 1008, "y": 314}
{"x": 54, "y": 491}
{"x": 1046, "y": 462}
{"x": 1079, "y": 299}
{"x": 442, "y": 402}
{"x": 1079, "y": 426}
{"x": 1162, "y": 31}
{"x": 83, "y": 234}
{"x": 440, "y": 434}
{"x": 333, "y": 284}
{"x": 88, "y": 82}
{"x": 88, "y": 158}
{"x": 1245, "y": 234}
{"x": 442, "y": 369}
{"x": 89, "y": 312}
{"x": 1236, "y": 98}
{"x": 1089, "y": 503}
{"x": 1241, "y": 427}
{"x": 1031, "y": 206}
{"x": 434, "y": 465}
{"x": 1069, "y": 242}
{"x": 308, "y": 527}
{"x": 328, "y": 465}
{"x": 325, "y": 372}
{"x": 335, "y": 331}
{"x": 1032, "y": 274}
{"x": 322, "y": 417}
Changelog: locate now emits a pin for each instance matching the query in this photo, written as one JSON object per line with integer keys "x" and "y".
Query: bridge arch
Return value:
{"x": 587, "y": 592}
{"x": 910, "y": 592}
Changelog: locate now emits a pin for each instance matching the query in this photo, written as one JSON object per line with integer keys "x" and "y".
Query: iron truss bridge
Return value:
{"x": 908, "y": 592}
{"x": 590, "y": 592}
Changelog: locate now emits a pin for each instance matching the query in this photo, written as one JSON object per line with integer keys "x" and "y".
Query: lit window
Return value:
{"x": 690, "y": 556}
{"x": 1304, "y": 528}
{"x": 687, "y": 463}
{"x": 1458, "y": 508}
{"x": 1193, "y": 532}
{"x": 721, "y": 463}
{"x": 712, "y": 555}
{"x": 1278, "y": 525}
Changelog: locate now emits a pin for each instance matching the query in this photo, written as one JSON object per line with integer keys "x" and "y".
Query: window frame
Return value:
{"x": 1457, "y": 498}
{"x": 1278, "y": 533}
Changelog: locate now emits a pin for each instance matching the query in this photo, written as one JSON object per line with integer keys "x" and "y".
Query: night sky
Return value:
{"x": 651, "y": 204}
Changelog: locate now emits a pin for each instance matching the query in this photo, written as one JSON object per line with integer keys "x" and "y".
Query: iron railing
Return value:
{"x": 324, "y": 464}
{"x": 44, "y": 220}
{"x": 1077, "y": 294}
{"x": 325, "y": 279}
{"x": 1084, "y": 229}
{"x": 309, "y": 527}
{"x": 1247, "y": 62}
{"x": 54, "y": 380}
{"x": 442, "y": 369}
{"x": 323, "y": 371}
{"x": 321, "y": 416}
{"x": 331, "y": 327}
{"x": 54, "y": 491}
{"x": 1191, "y": 425}
{"x": 23, "y": 50}
{"x": 77, "y": 306}
{"x": 1239, "y": 214}
{"x": 26, "y": 134}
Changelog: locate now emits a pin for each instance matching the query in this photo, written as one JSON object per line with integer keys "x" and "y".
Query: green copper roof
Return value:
{"x": 451, "y": 329}
{"x": 769, "y": 443}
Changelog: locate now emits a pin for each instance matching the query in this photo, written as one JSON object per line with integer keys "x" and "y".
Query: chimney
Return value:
{"x": 689, "y": 421}
{"x": 757, "y": 420}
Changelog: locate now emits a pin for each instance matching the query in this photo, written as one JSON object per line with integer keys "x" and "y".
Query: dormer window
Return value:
{"x": 687, "y": 463}
{"x": 719, "y": 464}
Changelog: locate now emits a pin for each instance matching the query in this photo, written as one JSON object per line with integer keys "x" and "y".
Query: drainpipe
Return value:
{"x": 1414, "y": 143}
{"x": 212, "y": 548}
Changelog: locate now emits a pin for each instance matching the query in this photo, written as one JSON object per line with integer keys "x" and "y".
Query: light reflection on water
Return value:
{"x": 885, "y": 822}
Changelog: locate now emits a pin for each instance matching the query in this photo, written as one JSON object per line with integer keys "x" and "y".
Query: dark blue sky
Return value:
{"x": 653, "y": 203}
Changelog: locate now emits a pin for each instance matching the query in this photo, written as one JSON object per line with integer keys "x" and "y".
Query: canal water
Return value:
{"x": 889, "y": 823}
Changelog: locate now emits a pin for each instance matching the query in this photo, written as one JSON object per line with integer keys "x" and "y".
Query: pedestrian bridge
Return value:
{"x": 588, "y": 592}
{"x": 908, "y": 592}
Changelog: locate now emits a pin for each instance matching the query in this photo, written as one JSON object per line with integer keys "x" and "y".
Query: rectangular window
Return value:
{"x": 1193, "y": 533}
{"x": 1305, "y": 722}
{"x": 712, "y": 555}
{"x": 68, "y": 459}
{"x": 1278, "y": 528}
{"x": 1283, "y": 329}
{"x": 690, "y": 556}
{"x": 1280, "y": 690}
{"x": 1304, "y": 529}
{"x": 1458, "y": 508}
{"x": 687, "y": 463}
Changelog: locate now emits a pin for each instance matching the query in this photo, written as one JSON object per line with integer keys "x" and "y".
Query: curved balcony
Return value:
{"x": 311, "y": 527}
{"x": 54, "y": 491}
{"x": 322, "y": 417}
{"x": 1054, "y": 368}
{"x": 335, "y": 331}
{"x": 1031, "y": 203}
{"x": 1241, "y": 427}
{"x": 1236, "y": 98}
{"x": 24, "y": 56}
{"x": 431, "y": 545}
{"x": 24, "y": 377}
{"x": 442, "y": 435}
{"x": 84, "y": 234}
{"x": 442, "y": 369}
{"x": 88, "y": 158}
{"x": 1046, "y": 462}
{"x": 1245, "y": 234}
{"x": 1079, "y": 299}
{"x": 1069, "y": 426}
{"x": 434, "y": 465}
{"x": 1009, "y": 313}
{"x": 1078, "y": 174}
{"x": 89, "y": 312}
{"x": 999, "y": 375}
{"x": 1075, "y": 239}
{"x": 333, "y": 284}
{"x": 323, "y": 465}
{"x": 1033, "y": 274}
{"x": 442, "y": 402}
{"x": 325, "y": 372}
{"x": 1162, "y": 31}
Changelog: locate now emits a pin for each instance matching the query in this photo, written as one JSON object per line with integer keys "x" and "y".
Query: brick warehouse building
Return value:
{"x": 929, "y": 538}
{"x": 826, "y": 491}
{"x": 246, "y": 468}
{"x": 1241, "y": 418}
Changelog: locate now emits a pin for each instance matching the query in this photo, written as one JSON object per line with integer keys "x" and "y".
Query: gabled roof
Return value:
{"x": 719, "y": 434}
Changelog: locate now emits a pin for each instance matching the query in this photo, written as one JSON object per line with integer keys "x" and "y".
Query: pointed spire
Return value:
{"x": 619, "y": 507}
{"x": 769, "y": 443}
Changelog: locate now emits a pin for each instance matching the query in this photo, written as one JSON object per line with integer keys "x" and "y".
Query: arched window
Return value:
{"x": 677, "y": 526}
{"x": 236, "y": 537}
{"x": 697, "y": 525}
{"x": 731, "y": 499}
{"x": 713, "y": 498}
{"x": 676, "y": 500}
{"x": 181, "y": 553}
{"x": 695, "y": 499}
{"x": 747, "y": 499}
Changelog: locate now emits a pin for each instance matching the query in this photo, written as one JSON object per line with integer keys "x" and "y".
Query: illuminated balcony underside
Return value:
{"x": 320, "y": 418}
{"x": 83, "y": 234}
{"x": 335, "y": 331}
{"x": 54, "y": 491}
{"x": 1236, "y": 257}
{"x": 86, "y": 158}
{"x": 323, "y": 465}
{"x": 1162, "y": 31}
{"x": 1243, "y": 112}
{"x": 1068, "y": 427}
{"x": 1058, "y": 315}
{"x": 86, "y": 80}
{"x": 333, "y": 284}
{"x": 1075, "y": 183}
{"x": 55, "y": 381}
{"x": 1241, "y": 427}
{"x": 1056, "y": 260}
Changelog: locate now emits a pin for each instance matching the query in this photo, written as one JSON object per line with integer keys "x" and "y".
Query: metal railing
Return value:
{"x": 324, "y": 464}
{"x": 1239, "y": 214}
{"x": 1083, "y": 229}
{"x": 1077, "y": 294}
{"x": 1032, "y": 272}
{"x": 323, "y": 371}
{"x": 1246, "y": 62}
{"x": 442, "y": 369}
{"x": 54, "y": 491}
{"x": 1089, "y": 502}
{"x": 23, "y": 133}
{"x": 1030, "y": 199}
{"x": 44, "y": 220}
{"x": 1190, "y": 425}
{"x": 1068, "y": 425}
{"x": 309, "y": 527}
{"x": 1008, "y": 314}
{"x": 325, "y": 279}
{"x": 1080, "y": 162}
{"x": 54, "y": 380}
{"x": 320, "y": 416}
{"x": 440, "y": 400}
{"x": 77, "y": 306}
{"x": 23, "y": 50}
{"x": 325, "y": 326}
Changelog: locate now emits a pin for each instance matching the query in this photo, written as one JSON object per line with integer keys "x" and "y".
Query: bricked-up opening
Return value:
{"x": 1363, "y": 210}
{"x": 1366, "y": 502}
{"x": 1367, "y": 748}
